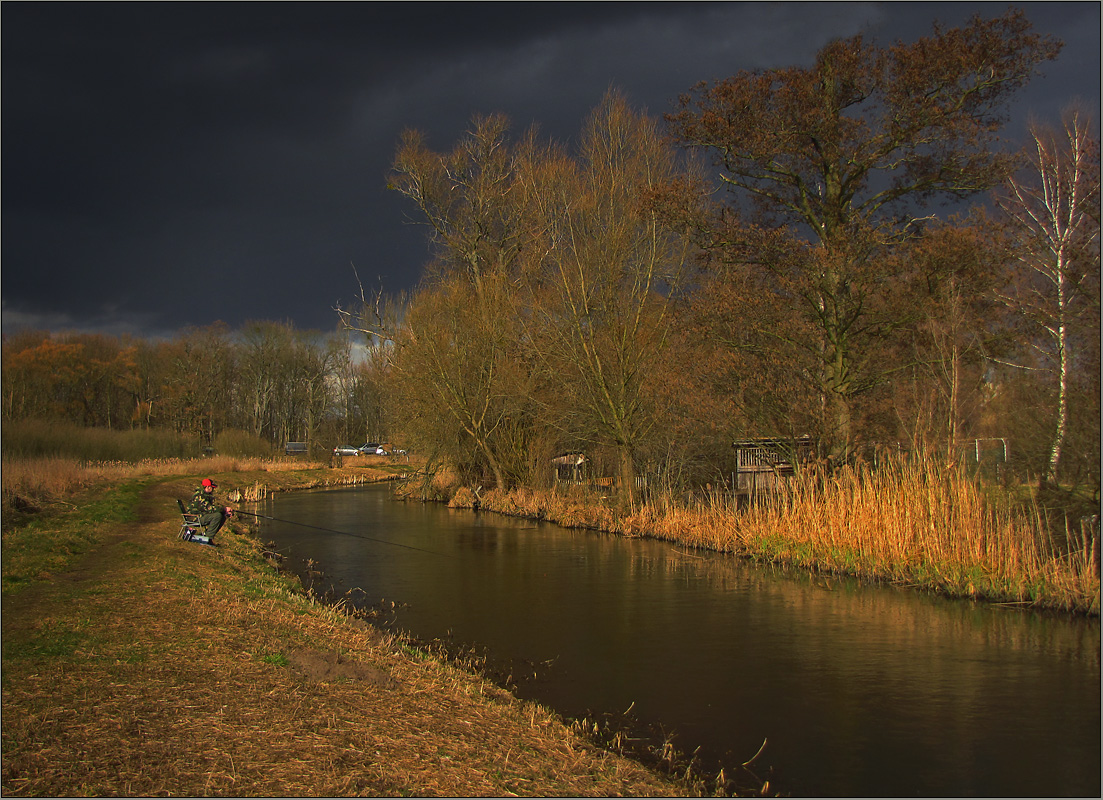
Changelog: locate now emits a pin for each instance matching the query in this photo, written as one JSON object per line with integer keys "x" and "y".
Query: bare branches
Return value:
{"x": 377, "y": 316}
{"x": 551, "y": 301}
{"x": 847, "y": 151}
{"x": 1054, "y": 209}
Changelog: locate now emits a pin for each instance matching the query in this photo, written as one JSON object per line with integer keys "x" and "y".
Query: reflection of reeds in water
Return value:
{"x": 915, "y": 522}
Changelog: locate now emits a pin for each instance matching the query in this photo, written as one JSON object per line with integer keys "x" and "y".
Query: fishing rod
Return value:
{"x": 343, "y": 533}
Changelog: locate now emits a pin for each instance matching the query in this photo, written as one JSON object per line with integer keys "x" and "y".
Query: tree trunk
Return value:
{"x": 1061, "y": 423}
{"x": 627, "y": 470}
{"x": 492, "y": 462}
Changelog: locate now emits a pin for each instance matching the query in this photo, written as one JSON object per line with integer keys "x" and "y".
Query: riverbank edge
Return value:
{"x": 646, "y": 522}
{"x": 69, "y": 638}
{"x": 622, "y": 734}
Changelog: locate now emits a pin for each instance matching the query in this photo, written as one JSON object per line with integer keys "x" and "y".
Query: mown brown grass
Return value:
{"x": 160, "y": 667}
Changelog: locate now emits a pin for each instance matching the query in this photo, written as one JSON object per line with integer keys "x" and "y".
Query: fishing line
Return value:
{"x": 343, "y": 533}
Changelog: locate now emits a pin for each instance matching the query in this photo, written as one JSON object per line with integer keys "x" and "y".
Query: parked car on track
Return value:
{"x": 369, "y": 449}
{"x": 346, "y": 450}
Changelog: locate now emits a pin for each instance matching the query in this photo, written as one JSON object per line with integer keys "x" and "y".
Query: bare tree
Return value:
{"x": 453, "y": 366}
{"x": 263, "y": 347}
{"x": 470, "y": 198}
{"x": 955, "y": 266}
{"x": 612, "y": 274}
{"x": 458, "y": 353}
{"x": 1054, "y": 206}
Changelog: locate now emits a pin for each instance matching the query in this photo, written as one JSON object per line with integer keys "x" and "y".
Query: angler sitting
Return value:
{"x": 211, "y": 515}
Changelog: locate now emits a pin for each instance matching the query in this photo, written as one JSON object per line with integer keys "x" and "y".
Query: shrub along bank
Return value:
{"x": 138, "y": 664}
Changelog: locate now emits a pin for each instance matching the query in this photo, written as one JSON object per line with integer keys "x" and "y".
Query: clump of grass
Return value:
{"x": 445, "y": 480}
{"x": 462, "y": 498}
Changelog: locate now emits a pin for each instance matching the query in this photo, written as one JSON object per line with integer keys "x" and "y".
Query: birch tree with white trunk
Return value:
{"x": 1055, "y": 209}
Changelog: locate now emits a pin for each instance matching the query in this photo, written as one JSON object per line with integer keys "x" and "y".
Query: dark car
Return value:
{"x": 369, "y": 449}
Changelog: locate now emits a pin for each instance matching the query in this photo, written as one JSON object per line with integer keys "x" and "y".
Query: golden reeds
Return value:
{"x": 916, "y": 522}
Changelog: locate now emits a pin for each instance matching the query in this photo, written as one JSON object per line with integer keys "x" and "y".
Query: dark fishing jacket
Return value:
{"x": 203, "y": 503}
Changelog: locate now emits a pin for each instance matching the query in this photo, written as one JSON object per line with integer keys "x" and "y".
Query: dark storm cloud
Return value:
{"x": 172, "y": 164}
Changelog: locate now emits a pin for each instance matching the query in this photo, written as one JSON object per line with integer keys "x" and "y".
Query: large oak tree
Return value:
{"x": 844, "y": 154}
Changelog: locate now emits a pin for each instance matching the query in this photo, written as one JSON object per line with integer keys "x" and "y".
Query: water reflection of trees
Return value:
{"x": 898, "y": 617}
{"x": 851, "y": 677}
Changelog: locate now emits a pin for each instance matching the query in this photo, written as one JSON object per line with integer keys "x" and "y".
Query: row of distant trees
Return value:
{"x": 266, "y": 379}
{"x": 769, "y": 265}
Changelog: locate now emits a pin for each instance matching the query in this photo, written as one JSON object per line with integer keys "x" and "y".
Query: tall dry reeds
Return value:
{"x": 41, "y": 438}
{"x": 917, "y": 522}
{"x": 38, "y": 438}
{"x": 35, "y": 481}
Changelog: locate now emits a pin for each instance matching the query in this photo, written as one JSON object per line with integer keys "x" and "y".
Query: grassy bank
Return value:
{"x": 138, "y": 664}
{"x": 917, "y": 524}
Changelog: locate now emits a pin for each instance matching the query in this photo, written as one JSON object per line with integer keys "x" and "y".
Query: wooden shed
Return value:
{"x": 761, "y": 463}
{"x": 570, "y": 468}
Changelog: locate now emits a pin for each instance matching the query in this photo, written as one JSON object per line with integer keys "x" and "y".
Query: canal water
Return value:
{"x": 856, "y": 690}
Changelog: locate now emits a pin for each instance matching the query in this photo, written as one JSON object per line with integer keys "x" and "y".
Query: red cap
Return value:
{"x": 209, "y": 482}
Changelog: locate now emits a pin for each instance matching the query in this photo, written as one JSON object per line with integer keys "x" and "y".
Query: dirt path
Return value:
{"x": 156, "y": 666}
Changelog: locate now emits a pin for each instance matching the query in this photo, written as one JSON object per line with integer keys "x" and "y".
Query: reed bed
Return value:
{"x": 915, "y": 523}
{"x": 29, "y": 482}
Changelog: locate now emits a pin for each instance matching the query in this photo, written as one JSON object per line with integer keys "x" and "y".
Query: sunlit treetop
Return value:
{"x": 865, "y": 126}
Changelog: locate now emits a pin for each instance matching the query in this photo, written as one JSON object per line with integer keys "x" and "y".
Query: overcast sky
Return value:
{"x": 168, "y": 165}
